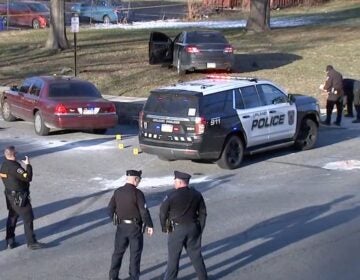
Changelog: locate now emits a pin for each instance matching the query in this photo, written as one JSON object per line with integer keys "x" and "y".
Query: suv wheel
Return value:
{"x": 308, "y": 135}
{"x": 39, "y": 125}
{"x": 6, "y": 112}
{"x": 232, "y": 154}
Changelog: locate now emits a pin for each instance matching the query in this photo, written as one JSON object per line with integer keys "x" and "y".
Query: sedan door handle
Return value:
{"x": 246, "y": 117}
{"x": 272, "y": 111}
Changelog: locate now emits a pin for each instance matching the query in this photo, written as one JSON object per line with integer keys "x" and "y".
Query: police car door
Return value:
{"x": 252, "y": 115}
{"x": 282, "y": 113}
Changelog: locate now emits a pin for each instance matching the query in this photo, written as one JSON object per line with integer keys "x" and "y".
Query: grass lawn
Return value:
{"x": 117, "y": 60}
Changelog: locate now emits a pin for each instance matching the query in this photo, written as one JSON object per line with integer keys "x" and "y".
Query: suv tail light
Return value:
{"x": 141, "y": 117}
{"x": 192, "y": 49}
{"x": 228, "y": 49}
{"x": 60, "y": 109}
{"x": 200, "y": 123}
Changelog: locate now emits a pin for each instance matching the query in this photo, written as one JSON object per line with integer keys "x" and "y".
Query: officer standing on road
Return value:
{"x": 128, "y": 210}
{"x": 334, "y": 88}
{"x": 17, "y": 194}
{"x": 183, "y": 216}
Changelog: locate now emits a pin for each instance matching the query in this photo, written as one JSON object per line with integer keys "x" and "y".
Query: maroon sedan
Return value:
{"x": 59, "y": 102}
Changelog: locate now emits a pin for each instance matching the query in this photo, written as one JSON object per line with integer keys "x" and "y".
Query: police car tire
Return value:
{"x": 232, "y": 154}
{"x": 39, "y": 125}
{"x": 6, "y": 112}
{"x": 307, "y": 136}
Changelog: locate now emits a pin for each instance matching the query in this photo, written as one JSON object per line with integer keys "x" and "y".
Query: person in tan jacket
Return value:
{"x": 334, "y": 88}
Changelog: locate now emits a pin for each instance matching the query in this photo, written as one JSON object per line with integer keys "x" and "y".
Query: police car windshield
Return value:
{"x": 172, "y": 104}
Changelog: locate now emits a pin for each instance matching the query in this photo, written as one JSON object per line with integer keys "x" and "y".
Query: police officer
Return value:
{"x": 17, "y": 194}
{"x": 128, "y": 209}
{"x": 334, "y": 88}
{"x": 183, "y": 216}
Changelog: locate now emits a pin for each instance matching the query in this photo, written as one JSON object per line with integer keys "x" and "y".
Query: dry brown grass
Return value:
{"x": 117, "y": 60}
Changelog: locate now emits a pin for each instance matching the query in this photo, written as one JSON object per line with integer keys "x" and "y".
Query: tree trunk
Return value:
{"x": 57, "y": 39}
{"x": 259, "y": 17}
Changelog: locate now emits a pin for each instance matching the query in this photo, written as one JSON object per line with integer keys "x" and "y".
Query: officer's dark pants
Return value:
{"x": 26, "y": 213}
{"x": 188, "y": 236}
{"x": 329, "y": 108}
{"x": 349, "y": 103}
{"x": 127, "y": 234}
{"x": 357, "y": 108}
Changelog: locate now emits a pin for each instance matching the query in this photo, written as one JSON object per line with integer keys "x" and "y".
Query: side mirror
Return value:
{"x": 291, "y": 98}
{"x": 14, "y": 88}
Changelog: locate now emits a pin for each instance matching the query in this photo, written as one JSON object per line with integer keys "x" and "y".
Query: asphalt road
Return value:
{"x": 280, "y": 216}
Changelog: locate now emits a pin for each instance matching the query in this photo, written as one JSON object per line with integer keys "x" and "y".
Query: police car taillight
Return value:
{"x": 141, "y": 118}
{"x": 200, "y": 123}
{"x": 192, "y": 49}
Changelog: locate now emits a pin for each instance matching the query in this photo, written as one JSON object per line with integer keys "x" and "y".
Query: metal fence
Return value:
{"x": 36, "y": 14}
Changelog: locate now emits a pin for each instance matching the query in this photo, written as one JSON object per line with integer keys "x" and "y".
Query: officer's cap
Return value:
{"x": 136, "y": 173}
{"x": 181, "y": 175}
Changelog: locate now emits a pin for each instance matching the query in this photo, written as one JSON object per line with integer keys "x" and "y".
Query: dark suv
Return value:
{"x": 222, "y": 118}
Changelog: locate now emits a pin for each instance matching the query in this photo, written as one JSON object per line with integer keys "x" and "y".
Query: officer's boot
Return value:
{"x": 11, "y": 243}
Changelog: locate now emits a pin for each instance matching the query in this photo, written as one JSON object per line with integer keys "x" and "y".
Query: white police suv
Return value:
{"x": 221, "y": 118}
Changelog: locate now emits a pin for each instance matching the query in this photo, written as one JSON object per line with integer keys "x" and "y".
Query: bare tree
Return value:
{"x": 57, "y": 33}
{"x": 259, "y": 17}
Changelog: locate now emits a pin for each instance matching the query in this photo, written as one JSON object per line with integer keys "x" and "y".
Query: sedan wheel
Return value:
{"x": 232, "y": 154}
{"x": 179, "y": 68}
{"x": 6, "y": 112}
{"x": 39, "y": 125}
{"x": 106, "y": 20}
{"x": 307, "y": 136}
{"x": 36, "y": 24}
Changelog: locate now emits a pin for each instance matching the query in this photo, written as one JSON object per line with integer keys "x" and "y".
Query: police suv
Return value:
{"x": 222, "y": 118}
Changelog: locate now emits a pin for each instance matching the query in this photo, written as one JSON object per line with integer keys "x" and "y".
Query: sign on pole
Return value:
{"x": 75, "y": 24}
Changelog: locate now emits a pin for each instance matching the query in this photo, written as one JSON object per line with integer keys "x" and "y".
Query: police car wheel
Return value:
{"x": 6, "y": 112}
{"x": 232, "y": 154}
{"x": 39, "y": 125}
{"x": 307, "y": 136}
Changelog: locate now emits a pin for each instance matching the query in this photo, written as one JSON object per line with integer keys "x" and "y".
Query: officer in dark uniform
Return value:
{"x": 128, "y": 210}
{"x": 183, "y": 216}
{"x": 17, "y": 183}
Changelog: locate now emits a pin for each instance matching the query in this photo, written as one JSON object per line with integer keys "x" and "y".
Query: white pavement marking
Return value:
{"x": 146, "y": 182}
{"x": 343, "y": 165}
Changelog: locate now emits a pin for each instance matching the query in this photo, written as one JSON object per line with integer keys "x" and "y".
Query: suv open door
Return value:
{"x": 160, "y": 48}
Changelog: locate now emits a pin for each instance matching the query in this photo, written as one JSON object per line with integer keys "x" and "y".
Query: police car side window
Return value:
{"x": 217, "y": 102}
{"x": 271, "y": 95}
{"x": 250, "y": 97}
{"x": 239, "y": 102}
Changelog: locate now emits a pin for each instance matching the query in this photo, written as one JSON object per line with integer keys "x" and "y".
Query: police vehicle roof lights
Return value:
{"x": 227, "y": 77}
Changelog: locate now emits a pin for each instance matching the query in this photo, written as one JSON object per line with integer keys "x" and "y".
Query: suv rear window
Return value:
{"x": 206, "y": 37}
{"x": 172, "y": 104}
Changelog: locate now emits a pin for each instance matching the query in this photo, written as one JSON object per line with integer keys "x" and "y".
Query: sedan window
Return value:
{"x": 205, "y": 37}
{"x": 25, "y": 86}
{"x": 36, "y": 87}
{"x": 73, "y": 89}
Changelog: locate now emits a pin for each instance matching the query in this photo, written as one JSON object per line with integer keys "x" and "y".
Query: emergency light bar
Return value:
{"x": 227, "y": 77}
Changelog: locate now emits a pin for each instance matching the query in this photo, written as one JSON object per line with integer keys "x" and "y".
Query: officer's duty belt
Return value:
{"x": 128, "y": 222}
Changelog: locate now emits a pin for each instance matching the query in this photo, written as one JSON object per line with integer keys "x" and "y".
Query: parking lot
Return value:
{"x": 280, "y": 212}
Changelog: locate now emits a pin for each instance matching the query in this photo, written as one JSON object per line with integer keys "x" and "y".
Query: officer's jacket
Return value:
{"x": 334, "y": 80}
{"x": 129, "y": 203}
{"x": 183, "y": 205}
{"x": 15, "y": 177}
